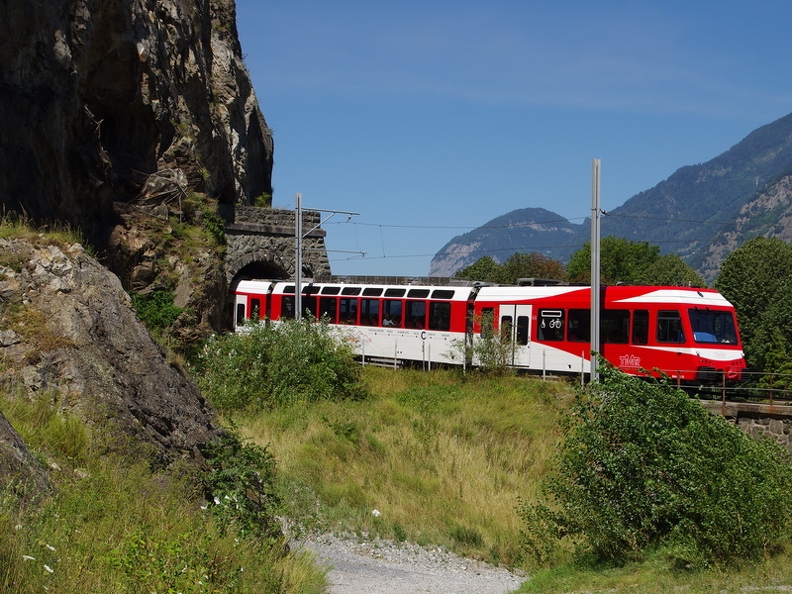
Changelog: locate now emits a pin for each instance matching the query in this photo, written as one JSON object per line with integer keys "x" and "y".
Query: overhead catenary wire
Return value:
{"x": 518, "y": 248}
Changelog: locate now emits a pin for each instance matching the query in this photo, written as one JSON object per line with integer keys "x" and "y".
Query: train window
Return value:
{"x": 309, "y": 305}
{"x": 640, "y": 327}
{"x": 418, "y": 293}
{"x": 415, "y": 314}
{"x": 350, "y": 291}
{"x": 255, "y": 309}
{"x": 522, "y": 330}
{"x": 348, "y": 311}
{"x": 551, "y": 324}
{"x": 327, "y": 308}
{"x": 310, "y": 290}
{"x": 287, "y": 307}
{"x": 372, "y": 292}
{"x": 506, "y": 328}
{"x": 439, "y": 316}
{"x": 713, "y": 326}
{"x": 615, "y": 328}
{"x": 487, "y": 322}
{"x": 369, "y": 312}
{"x": 669, "y": 326}
{"x": 442, "y": 294}
{"x": 331, "y": 290}
{"x": 392, "y": 312}
{"x": 579, "y": 325}
{"x": 395, "y": 292}
{"x": 288, "y": 289}
{"x": 240, "y": 314}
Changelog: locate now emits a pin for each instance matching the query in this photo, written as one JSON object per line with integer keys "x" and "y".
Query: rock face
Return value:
{"x": 67, "y": 328}
{"x": 117, "y": 113}
{"x": 107, "y": 101}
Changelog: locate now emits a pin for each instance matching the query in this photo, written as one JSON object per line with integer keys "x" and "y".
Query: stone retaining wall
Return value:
{"x": 758, "y": 419}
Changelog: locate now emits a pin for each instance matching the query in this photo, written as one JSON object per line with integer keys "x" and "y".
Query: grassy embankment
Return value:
{"x": 110, "y": 523}
{"x": 446, "y": 460}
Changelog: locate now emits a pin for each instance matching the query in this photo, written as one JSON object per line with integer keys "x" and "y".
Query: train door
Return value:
{"x": 514, "y": 322}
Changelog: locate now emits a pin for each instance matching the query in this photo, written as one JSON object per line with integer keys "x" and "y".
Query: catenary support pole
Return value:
{"x": 595, "y": 266}
{"x": 298, "y": 257}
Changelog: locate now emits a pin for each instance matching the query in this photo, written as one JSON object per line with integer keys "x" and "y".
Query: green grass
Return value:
{"x": 443, "y": 459}
{"x": 112, "y": 524}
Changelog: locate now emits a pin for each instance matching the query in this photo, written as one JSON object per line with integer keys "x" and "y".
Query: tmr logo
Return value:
{"x": 629, "y": 361}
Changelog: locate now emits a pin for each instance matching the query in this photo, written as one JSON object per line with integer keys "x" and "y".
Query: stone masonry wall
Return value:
{"x": 774, "y": 421}
{"x": 266, "y": 236}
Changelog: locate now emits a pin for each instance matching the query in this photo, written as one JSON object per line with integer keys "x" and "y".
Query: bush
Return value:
{"x": 491, "y": 351}
{"x": 277, "y": 365}
{"x": 642, "y": 465}
{"x": 156, "y": 310}
{"x": 239, "y": 487}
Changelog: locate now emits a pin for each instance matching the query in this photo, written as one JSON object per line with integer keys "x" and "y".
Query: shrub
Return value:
{"x": 277, "y": 365}
{"x": 239, "y": 487}
{"x": 642, "y": 465}
{"x": 156, "y": 310}
{"x": 492, "y": 351}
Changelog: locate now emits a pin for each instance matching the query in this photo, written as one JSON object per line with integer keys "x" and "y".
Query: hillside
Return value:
{"x": 701, "y": 211}
{"x": 67, "y": 329}
{"x": 115, "y": 115}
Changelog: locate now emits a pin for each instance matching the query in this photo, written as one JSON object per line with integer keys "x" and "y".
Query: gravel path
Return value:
{"x": 386, "y": 567}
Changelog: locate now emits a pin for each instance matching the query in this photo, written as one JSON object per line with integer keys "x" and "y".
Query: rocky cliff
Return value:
{"x": 113, "y": 113}
{"x": 100, "y": 100}
{"x": 67, "y": 332}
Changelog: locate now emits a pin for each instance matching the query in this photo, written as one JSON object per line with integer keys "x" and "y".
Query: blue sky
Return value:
{"x": 431, "y": 118}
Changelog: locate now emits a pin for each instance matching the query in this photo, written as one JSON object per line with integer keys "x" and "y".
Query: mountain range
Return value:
{"x": 701, "y": 212}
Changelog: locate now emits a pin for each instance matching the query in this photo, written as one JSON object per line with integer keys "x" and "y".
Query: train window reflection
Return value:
{"x": 440, "y": 316}
{"x": 713, "y": 326}
{"x": 615, "y": 327}
{"x": 415, "y": 314}
{"x": 669, "y": 327}
{"x": 348, "y": 311}
{"x": 579, "y": 325}
{"x": 640, "y": 327}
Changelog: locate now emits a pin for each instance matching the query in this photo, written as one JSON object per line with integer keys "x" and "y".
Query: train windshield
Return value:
{"x": 713, "y": 326}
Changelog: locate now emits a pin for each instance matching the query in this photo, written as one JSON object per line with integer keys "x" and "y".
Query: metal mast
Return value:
{"x": 595, "y": 266}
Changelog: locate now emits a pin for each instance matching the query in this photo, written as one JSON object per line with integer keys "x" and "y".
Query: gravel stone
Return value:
{"x": 389, "y": 567}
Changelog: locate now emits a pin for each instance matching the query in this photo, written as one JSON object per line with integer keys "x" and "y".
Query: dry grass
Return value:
{"x": 444, "y": 458}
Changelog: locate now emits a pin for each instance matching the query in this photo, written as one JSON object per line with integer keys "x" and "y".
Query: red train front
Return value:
{"x": 687, "y": 334}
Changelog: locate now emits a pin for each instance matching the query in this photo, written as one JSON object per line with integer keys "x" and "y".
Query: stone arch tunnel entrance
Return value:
{"x": 261, "y": 244}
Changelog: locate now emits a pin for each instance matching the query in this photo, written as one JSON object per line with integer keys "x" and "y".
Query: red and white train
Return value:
{"x": 690, "y": 335}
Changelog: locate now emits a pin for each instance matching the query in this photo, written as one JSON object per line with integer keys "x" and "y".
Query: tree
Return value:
{"x": 533, "y": 265}
{"x": 643, "y": 466}
{"x": 772, "y": 334}
{"x": 670, "y": 270}
{"x": 621, "y": 261}
{"x": 485, "y": 269}
{"x": 749, "y": 278}
{"x": 517, "y": 266}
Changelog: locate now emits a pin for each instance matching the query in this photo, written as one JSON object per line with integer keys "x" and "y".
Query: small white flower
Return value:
{"x": 18, "y": 527}
{"x": 376, "y": 513}
{"x": 216, "y": 501}
{"x": 48, "y": 568}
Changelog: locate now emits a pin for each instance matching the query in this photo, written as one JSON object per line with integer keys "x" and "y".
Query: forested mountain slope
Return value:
{"x": 691, "y": 213}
